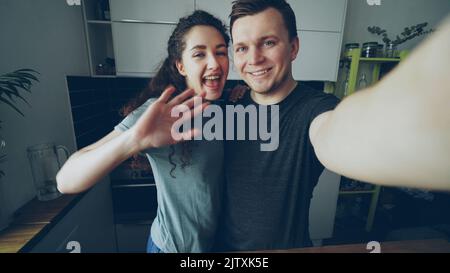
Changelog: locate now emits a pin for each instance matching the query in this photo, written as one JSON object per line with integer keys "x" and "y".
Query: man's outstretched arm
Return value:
{"x": 397, "y": 132}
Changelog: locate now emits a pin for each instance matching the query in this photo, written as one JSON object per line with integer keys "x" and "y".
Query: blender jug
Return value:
{"x": 45, "y": 163}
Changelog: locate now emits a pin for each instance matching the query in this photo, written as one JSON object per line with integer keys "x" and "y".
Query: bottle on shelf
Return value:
{"x": 103, "y": 13}
{"x": 362, "y": 81}
{"x": 106, "y": 12}
{"x": 391, "y": 50}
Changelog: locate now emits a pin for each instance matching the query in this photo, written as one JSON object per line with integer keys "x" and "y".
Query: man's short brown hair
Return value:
{"x": 242, "y": 8}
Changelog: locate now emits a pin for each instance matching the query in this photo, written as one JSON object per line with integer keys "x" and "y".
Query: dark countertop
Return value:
{"x": 415, "y": 246}
{"x": 33, "y": 221}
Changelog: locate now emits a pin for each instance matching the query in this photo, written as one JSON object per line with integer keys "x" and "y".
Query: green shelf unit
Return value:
{"x": 355, "y": 59}
{"x": 379, "y": 60}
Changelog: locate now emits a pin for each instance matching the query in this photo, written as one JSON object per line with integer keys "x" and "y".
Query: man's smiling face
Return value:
{"x": 263, "y": 52}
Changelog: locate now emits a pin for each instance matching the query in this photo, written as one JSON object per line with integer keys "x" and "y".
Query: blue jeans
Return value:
{"x": 151, "y": 247}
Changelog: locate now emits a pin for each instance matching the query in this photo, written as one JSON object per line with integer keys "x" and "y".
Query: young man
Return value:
{"x": 366, "y": 137}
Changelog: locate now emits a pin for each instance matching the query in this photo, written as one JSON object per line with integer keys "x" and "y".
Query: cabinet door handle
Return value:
{"x": 145, "y": 22}
{"x": 131, "y": 21}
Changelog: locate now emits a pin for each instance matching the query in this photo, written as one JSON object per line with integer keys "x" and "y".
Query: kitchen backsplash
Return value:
{"x": 95, "y": 103}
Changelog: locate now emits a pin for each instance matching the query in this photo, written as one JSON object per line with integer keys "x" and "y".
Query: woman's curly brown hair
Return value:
{"x": 168, "y": 72}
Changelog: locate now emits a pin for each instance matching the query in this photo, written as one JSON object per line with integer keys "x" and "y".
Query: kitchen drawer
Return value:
{"x": 132, "y": 237}
{"x": 134, "y": 203}
{"x": 150, "y": 10}
{"x": 89, "y": 223}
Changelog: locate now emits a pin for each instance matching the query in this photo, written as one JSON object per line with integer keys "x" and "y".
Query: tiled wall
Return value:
{"x": 96, "y": 102}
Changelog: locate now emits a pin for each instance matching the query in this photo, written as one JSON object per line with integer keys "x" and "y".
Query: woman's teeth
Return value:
{"x": 212, "y": 81}
{"x": 211, "y": 78}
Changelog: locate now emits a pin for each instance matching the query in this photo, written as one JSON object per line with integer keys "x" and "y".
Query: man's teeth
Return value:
{"x": 211, "y": 78}
{"x": 261, "y": 72}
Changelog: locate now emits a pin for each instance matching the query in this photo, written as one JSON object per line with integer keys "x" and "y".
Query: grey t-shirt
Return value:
{"x": 189, "y": 204}
{"x": 267, "y": 195}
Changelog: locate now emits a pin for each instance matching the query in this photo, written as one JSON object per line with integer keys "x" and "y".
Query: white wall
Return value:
{"x": 392, "y": 15}
{"x": 48, "y": 36}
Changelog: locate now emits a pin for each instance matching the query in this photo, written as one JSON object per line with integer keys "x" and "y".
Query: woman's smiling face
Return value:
{"x": 204, "y": 62}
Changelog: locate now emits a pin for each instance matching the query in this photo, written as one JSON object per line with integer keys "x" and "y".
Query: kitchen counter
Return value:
{"x": 33, "y": 221}
{"x": 416, "y": 246}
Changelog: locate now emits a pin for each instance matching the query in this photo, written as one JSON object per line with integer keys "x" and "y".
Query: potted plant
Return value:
{"x": 407, "y": 34}
{"x": 11, "y": 86}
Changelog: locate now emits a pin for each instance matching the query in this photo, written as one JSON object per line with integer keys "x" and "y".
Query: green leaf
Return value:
{"x": 12, "y": 90}
{"x": 32, "y": 77}
{"x": 17, "y": 95}
{"x": 12, "y": 83}
{"x": 28, "y": 70}
{"x": 12, "y": 105}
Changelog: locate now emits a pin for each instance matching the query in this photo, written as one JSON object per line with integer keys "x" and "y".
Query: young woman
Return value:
{"x": 188, "y": 175}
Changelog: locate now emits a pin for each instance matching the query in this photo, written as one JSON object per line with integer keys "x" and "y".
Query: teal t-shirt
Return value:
{"x": 189, "y": 204}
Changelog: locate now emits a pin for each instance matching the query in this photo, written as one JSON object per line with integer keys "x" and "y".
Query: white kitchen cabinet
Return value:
{"x": 320, "y": 15}
{"x": 318, "y": 58}
{"x": 168, "y": 11}
{"x": 219, "y": 8}
{"x": 140, "y": 48}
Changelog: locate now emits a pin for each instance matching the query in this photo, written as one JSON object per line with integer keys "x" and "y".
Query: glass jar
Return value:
{"x": 369, "y": 50}
{"x": 349, "y": 48}
{"x": 380, "y": 51}
{"x": 45, "y": 162}
{"x": 391, "y": 50}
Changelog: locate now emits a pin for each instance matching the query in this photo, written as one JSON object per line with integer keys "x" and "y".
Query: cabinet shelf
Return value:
{"x": 373, "y": 60}
{"x": 379, "y": 60}
{"x": 355, "y": 59}
{"x": 356, "y": 55}
{"x": 99, "y": 41}
{"x": 104, "y": 76}
{"x": 99, "y": 22}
